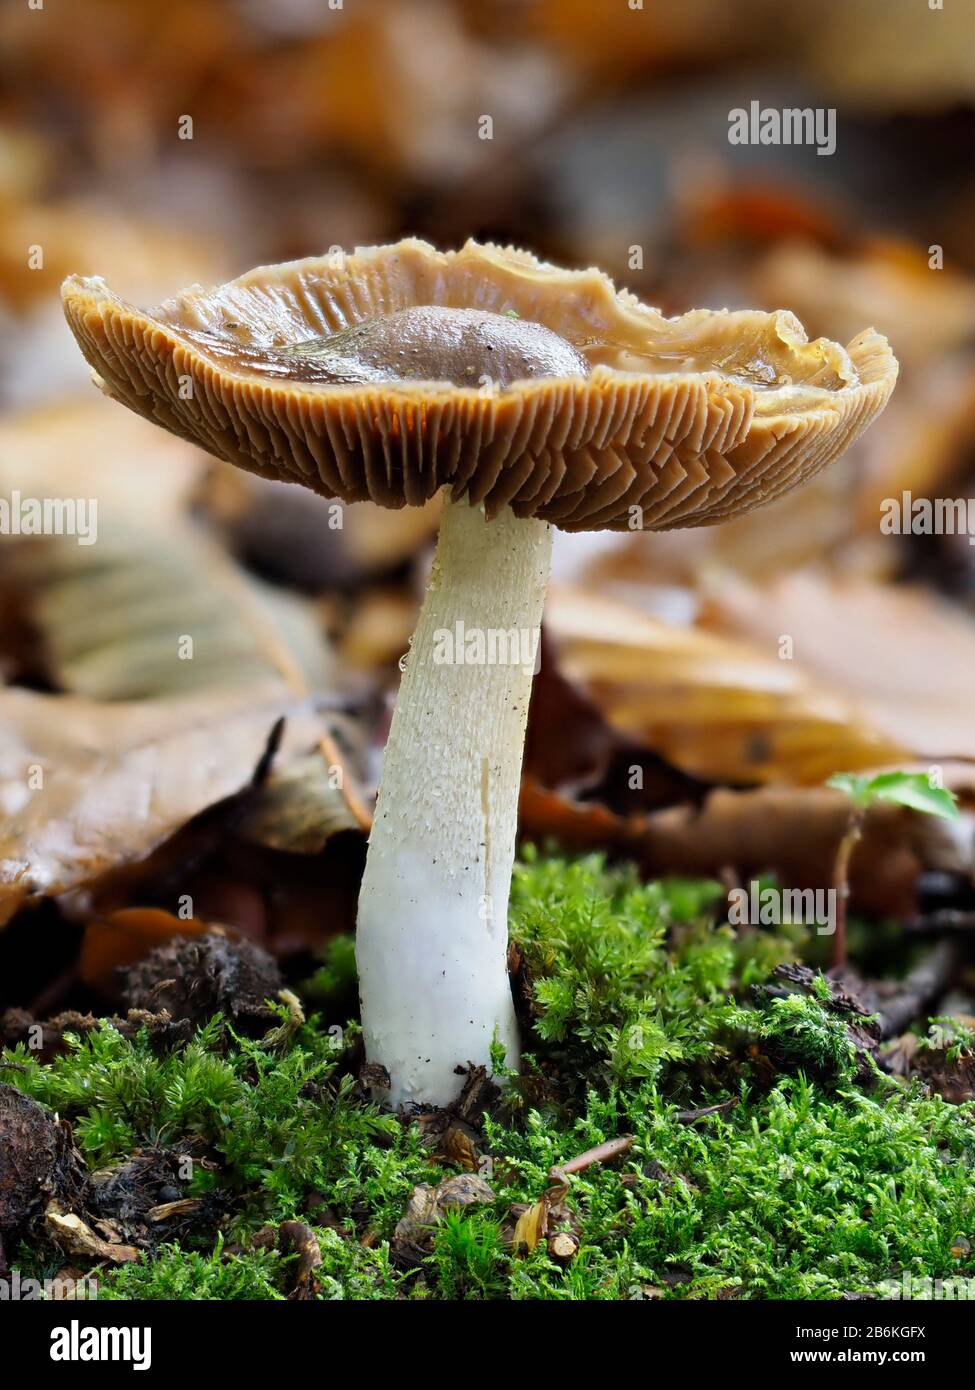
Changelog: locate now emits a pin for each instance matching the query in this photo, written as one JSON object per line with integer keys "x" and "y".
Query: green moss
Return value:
{"x": 791, "y": 1195}
{"x": 280, "y": 1126}
{"x": 640, "y": 999}
{"x": 335, "y": 980}
{"x": 802, "y": 1035}
{"x": 469, "y": 1257}
{"x": 175, "y": 1273}
{"x": 631, "y": 981}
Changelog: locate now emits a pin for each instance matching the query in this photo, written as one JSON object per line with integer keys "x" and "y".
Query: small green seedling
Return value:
{"x": 916, "y": 790}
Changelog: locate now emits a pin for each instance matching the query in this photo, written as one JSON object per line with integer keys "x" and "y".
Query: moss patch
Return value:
{"x": 638, "y": 1005}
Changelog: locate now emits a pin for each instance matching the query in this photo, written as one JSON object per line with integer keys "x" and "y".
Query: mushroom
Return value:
{"x": 537, "y": 397}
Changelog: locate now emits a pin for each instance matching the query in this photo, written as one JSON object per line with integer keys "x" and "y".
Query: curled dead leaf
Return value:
{"x": 851, "y": 637}
{"x": 459, "y": 1148}
{"x": 76, "y": 1237}
{"x": 295, "y": 1238}
{"x": 116, "y": 780}
{"x": 531, "y": 1228}
{"x": 427, "y": 1206}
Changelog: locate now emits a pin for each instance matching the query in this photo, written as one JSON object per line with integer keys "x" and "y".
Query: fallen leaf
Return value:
{"x": 531, "y": 1228}
{"x": 427, "y": 1206}
{"x": 84, "y": 446}
{"x": 298, "y": 808}
{"x": 713, "y": 706}
{"x": 791, "y": 832}
{"x": 75, "y": 1237}
{"x": 459, "y": 1148}
{"x": 147, "y": 614}
{"x": 852, "y": 636}
{"x": 295, "y": 1238}
{"x": 86, "y": 787}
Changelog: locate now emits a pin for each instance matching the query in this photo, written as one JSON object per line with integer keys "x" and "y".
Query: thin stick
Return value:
{"x": 928, "y": 979}
{"x": 944, "y": 919}
{"x": 602, "y": 1153}
{"x": 841, "y": 883}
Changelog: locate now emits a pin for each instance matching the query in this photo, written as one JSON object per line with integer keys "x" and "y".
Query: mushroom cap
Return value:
{"x": 692, "y": 419}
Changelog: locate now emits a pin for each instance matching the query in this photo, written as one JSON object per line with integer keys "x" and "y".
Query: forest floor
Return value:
{"x": 754, "y": 1134}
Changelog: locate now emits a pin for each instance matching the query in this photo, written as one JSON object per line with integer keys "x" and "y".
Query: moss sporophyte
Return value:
{"x": 536, "y": 397}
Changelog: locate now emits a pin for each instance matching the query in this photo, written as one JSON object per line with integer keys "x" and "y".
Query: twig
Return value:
{"x": 53, "y": 993}
{"x": 926, "y": 980}
{"x": 841, "y": 883}
{"x": 602, "y": 1153}
{"x": 945, "y": 919}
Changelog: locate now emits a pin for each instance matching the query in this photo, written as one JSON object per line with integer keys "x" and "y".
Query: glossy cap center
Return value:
{"x": 432, "y": 342}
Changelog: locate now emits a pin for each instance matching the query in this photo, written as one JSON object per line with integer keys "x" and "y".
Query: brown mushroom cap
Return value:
{"x": 691, "y": 419}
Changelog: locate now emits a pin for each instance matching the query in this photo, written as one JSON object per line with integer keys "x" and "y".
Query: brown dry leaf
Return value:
{"x": 146, "y": 614}
{"x": 299, "y": 808}
{"x": 459, "y": 1148}
{"x": 87, "y": 786}
{"x": 75, "y": 234}
{"x": 604, "y": 42}
{"x": 299, "y": 1240}
{"x": 577, "y": 826}
{"x": 426, "y": 1208}
{"x": 111, "y": 614}
{"x": 145, "y": 740}
{"x": 913, "y": 65}
{"x": 397, "y": 84}
{"x": 905, "y": 658}
{"x": 717, "y": 708}
{"x": 75, "y": 1237}
{"x": 84, "y": 446}
{"x": 792, "y": 832}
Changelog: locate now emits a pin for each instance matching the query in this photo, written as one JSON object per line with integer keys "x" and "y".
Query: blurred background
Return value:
{"x": 165, "y": 145}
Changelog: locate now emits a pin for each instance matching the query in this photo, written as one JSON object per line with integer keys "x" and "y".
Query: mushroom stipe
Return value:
{"x": 536, "y": 396}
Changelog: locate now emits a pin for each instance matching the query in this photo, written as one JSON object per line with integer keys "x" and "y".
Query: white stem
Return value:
{"x": 432, "y": 934}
